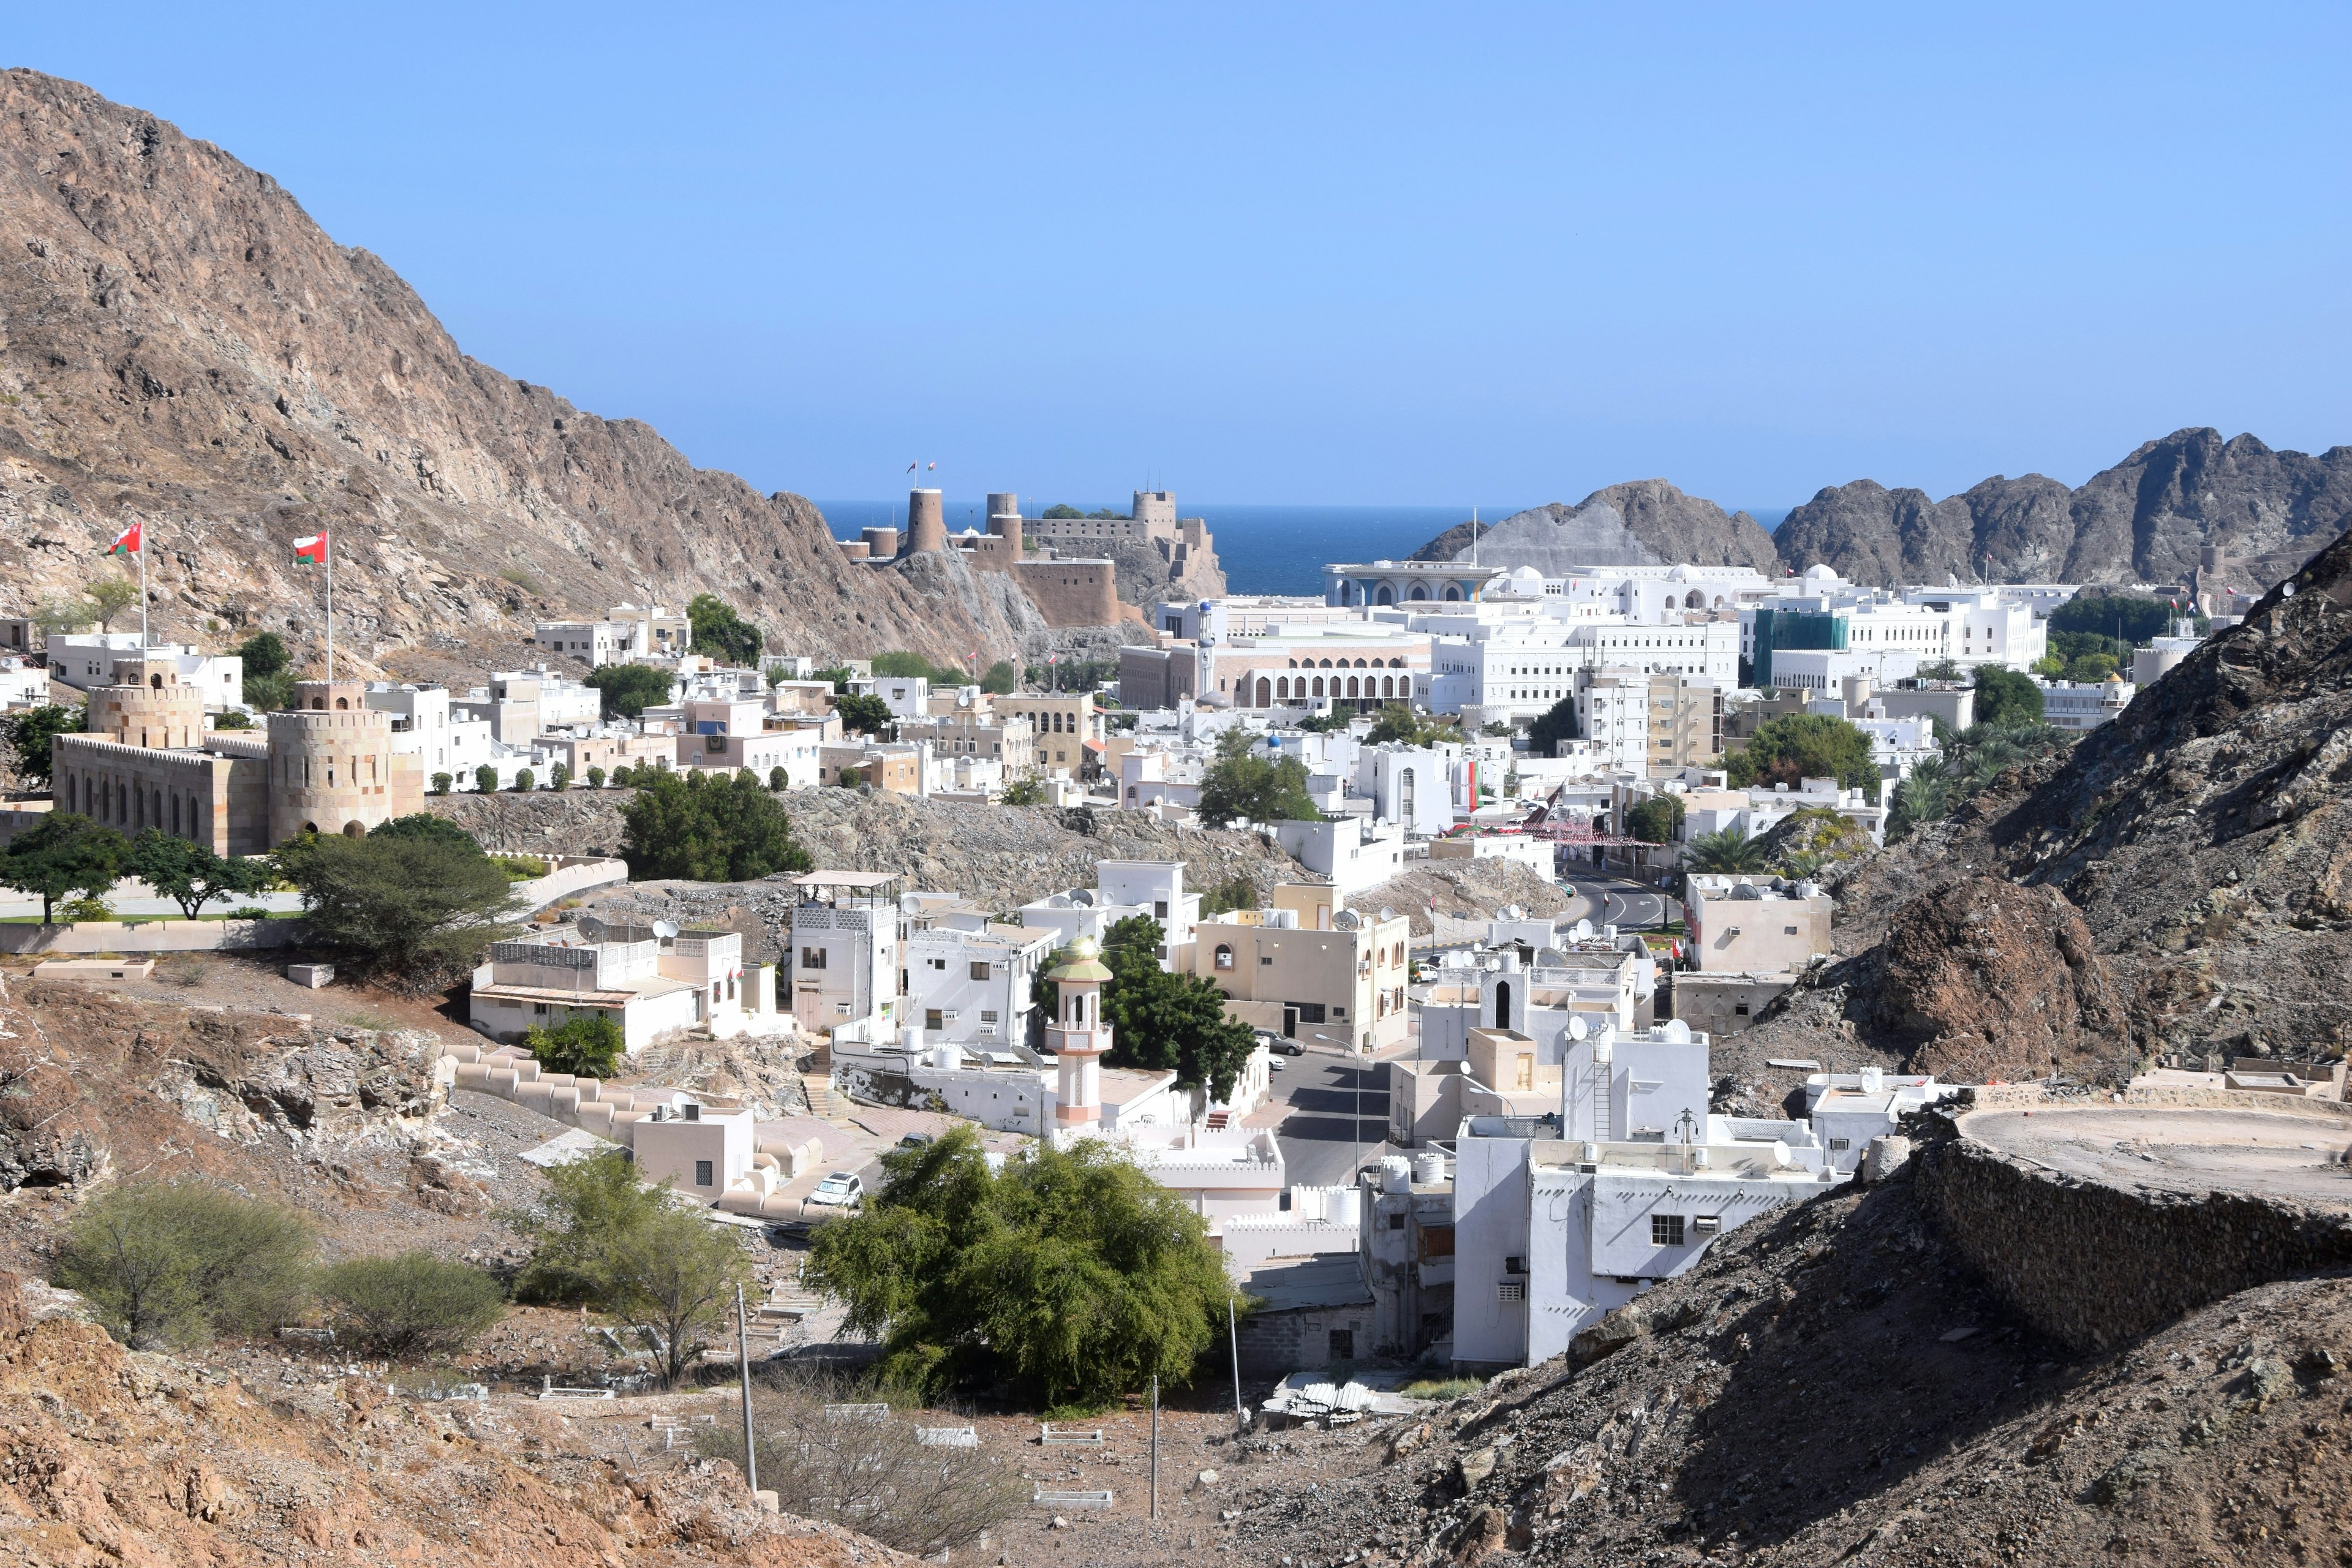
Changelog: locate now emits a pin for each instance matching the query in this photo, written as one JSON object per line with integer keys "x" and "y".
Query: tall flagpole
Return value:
{"x": 143, "y": 589}
{"x": 327, "y": 543}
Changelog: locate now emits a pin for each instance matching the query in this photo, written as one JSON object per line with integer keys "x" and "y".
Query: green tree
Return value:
{"x": 2005, "y": 697}
{"x": 1023, "y": 792}
{"x": 852, "y": 777}
{"x": 2090, "y": 669}
{"x": 1334, "y": 722}
{"x": 707, "y": 829}
{"x": 230, "y": 720}
{"x": 1072, "y": 1276}
{"x": 2133, "y": 621}
{"x": 1924, "y": 797}
{"x": 414, "y": 1304}
{"x": 863, "y": 715}
{"x": 428, "y": 827}
{"x": 442, "y": 783}
{"x": 559, "y": 777}
{"x": 108, "y": 597}
{"x": 67, "y": 853}
{"x": 1398, "y": 724}
{"x": 192, "y": 875}
{"x": 1236, "y": 892}
{"x": 486, "y": 779}
{"x": 1728, "y": 852}
{"x": 609, "y": 1242}
{"x": 28, "y": 732}
{"x": 1799, "y": 746}
{"x": 595, "y": 779}
{"x": 1553, "y": 725}
{"x": 1656, "y": 820}
{"x": 1000, "y": 678}
{"x": 720, "y": 632}
{"x": 1160, "y": 1021}
{"x": 264, "y": 654}
{"x": 57, "y": 614}
{"x": 628, "y": 689}
{"x": 416, "y": 909}
{"x": 172, "y": 1265}
{"x": 779, "y": 779}
{"x": 1942, "y": 669}
{"x": 524, "y": 782}
{"x": 1241, "y": 785}
{"x": 588, "y": 1046}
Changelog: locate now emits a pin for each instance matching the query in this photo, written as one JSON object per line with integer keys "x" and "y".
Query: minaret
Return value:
{"x": 1078, "y": 1036}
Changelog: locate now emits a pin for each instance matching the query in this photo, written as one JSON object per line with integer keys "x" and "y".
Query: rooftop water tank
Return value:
{"x": 1396, "y": 1173}
{"x": 1429, "y": 1168}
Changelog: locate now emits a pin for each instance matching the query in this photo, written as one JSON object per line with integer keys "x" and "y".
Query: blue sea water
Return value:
{"x": 1264, "y": 549}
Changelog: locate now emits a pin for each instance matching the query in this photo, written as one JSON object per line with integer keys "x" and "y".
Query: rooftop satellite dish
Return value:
{"x": 1582, "y": 931}
{"x": 666, "y": 929}
{"x": 1083, "y": 898}
{"x": 590, "y": 927}
{"x": 1577, "y": 1029}
{"x": 1678, "y": 1031}
{"x": 1387, "y": 913}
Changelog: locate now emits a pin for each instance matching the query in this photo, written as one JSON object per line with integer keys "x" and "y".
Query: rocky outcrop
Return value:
{"x": 2146, "y": 519}
{"x": 1640, "y": 524}
{"x": 184, "y": 348}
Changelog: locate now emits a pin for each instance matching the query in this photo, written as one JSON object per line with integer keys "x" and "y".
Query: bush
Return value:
{"x": 707, "y": 829}
{"x": 852, "y": 777}
{"x": 520, "y": 867}
{"x": 1656, "y": 820}
{"x": 999, "y": 678}
{"x": 595, "y": 778}
{"x": 233, "y": 719}
{"x": 1798, "y": 746}
{"x": 587, "y": 1046}
{"x": 442, "y": 783}
{"x": 248, "y": 913}
{"x": 182, "y": 969}
{"x": 425, "y": 827}
{"x": 1025, "y": 791}
{"x": 778, "y": 779}
{"x": 486, "y": 779}
{"x": 560, "y": 778}
{"x": 877, "y": 1478}
{"x": 414, "y": 1304}
{"x": 2006, "y": 697}
{"x": 176, "y": 1265}
{"x": 264, "y": 655}
{"x": 524, "y": 782}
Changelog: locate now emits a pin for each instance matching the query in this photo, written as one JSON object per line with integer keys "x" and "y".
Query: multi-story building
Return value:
{"x": 598, "y": 643}
{"x": 1358, "y": 664}
{"x": 845, "y": 951}
{"x": 2080, "y": 706}
{"x": 1344, "y": 986}
{"x": 976, "y": 731}
{"x": 646, "y": 984}
{"x": 968, "y": 980}
{"x": 1064, "y": 725}
{"x": 86, "y": 661}
{"x": 1122, "y": 890}
{"x": 895, "y": 768}
{"x": 1738, "y": 924}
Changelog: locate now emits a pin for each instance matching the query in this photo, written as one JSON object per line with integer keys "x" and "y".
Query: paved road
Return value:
{"x": 1616, "y": 901}
{"x": 2280, "y": 1154}
{"x": 1334, "y": 1111}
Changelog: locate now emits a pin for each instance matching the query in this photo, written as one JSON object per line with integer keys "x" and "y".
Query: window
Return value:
{"x": 1310, "y": 1013}
{"x": 988, "y": 1016}
{"x": 933, "y": 1019}
{"x": 1343, "y": 1344}
{"x": 812, "y": 958}
{"x": 1515, "y": 1266}
{"x": 540, "y": 1008}
{"x": 1666, "y": 1230}
{"x": 1787, "y": 930}
{"x": 939, "y": 963}
{"x": 1267, "y": 959}
{"x": 979, "y": 969}
{"x": 1511, "y": 1290}
{"x": 1396, "y": 1221}
{"x": 1159, "y": 908}
{"x": 1224, "y": 959}
{"x": 702, "y": 1172}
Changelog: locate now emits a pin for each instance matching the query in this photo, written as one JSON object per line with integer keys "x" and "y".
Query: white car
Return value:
{"x": 841, "y": 1190}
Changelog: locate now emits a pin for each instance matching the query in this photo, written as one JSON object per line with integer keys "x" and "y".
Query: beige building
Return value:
{"x": 1685, "y": 720}
{"x": 895, "y": 768}
{"x": 1724, "y": 1003}
{"x": 1062, "y": 723}
{"x": 326, "y": 765}
{"x": 1343, "y": 986}
{"x": 1005, "y": 738}
{"x": 1742, "y": 925}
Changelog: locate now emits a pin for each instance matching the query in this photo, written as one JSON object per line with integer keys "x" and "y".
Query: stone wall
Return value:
{"x": 1071, "y": 593}
{"x": 2095, "y": 1266}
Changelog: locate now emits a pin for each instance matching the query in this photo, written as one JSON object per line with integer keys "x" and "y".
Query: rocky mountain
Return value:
{"x": 182, "y": 346}
{"x": 2146, "y": 519}
{"x": 1644, "y": 522}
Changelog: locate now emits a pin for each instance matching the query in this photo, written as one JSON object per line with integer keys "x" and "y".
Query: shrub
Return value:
{"x": 560, "y": 778}
{"x": 778, "y": 779}
{"x": 248, "y": 913}
{"x": 486, "y": 779}
{"x": 442, "y": 783}
{"x": 719, "y": 631}
{"x": 414, "y": 1304}
{"x": 1025, "y": 791}
{"x": 175, "y": 1265}
{"x": 852, "y": 777}
{"x": 426, "y": 826}
{"x": 233, "y": 719}
{"x": 595, "y": 778}
{"x": 862, "y": 714}
{"x": 524, "y": 782}
{"x": 182, "y": 969}
{"x": 520, "y": 867}
{"x": 264, "y": 655}
{"x": 723, "y": 828}
{"x": 587, "y": 1046}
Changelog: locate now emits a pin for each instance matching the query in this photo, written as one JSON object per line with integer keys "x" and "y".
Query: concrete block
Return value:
{"x": 102, "y": 970}
{"x": 1884, "y": 1156}
{"x": 314, "y": 975}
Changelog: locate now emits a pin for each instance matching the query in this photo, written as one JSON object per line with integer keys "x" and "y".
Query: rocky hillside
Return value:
{"x": 2143, "y": 521}
{"x": 182, "y": 346}
{"x": 1645, "y": 522}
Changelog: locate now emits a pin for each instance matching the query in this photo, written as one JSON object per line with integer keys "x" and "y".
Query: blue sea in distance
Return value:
{"x": 1264, "y": 549}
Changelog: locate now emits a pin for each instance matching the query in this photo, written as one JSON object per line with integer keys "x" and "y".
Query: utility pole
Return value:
{"x": 1155, "y": 1445}
{"x": 1234, "y": 1339}
{"x": 743, "y": 1371}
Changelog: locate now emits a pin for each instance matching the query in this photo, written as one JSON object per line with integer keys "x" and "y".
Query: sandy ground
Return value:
{"x": 2276, "y": 1153}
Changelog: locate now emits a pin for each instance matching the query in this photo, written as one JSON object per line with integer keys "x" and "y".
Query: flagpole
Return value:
{"x": 142, "y": 590}
{"x": 327, "y": 541}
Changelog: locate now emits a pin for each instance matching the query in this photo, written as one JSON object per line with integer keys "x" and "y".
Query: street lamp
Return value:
{"x": 1355, "y": 1122}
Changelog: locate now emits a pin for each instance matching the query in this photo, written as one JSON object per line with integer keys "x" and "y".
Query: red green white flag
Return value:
{"x": 313, "y": 549}
{"x": 126, "y": 543}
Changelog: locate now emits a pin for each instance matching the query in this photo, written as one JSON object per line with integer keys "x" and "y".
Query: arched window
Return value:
{"x": 1502, "y": 1005}
{"x": 1351, "y": 686}
{"x": 1265, "y": 692}
{"x": 1388, "y": 594}
{"x": 175, "y": 817}
{"x": 1405, "y": 792}
{"x": 156, "y": 682}
{"x": 1224, "y": 959}
{"x": 1388, "y": 685}
{"x": 353, "y": 830}
{"x": 317, "y": 703}
{"x": 342, "y": 702}
{"x": 1282, "y": 690}
{"x": 1420, "y": 592}
{"x": 1325, "y": 664}
{"x": 1694, "y": 600}
{"x": 1318, "y": 686}
{"x": 1452, "y": 591}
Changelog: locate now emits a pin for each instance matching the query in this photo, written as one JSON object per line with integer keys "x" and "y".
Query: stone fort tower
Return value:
{"x": 147, "y": 706}
{"x": 331, "y": 767}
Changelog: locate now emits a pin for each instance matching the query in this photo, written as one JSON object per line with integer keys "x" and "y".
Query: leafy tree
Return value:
{"x": 1729, "y": 851}
{"x": 2133, "y": 620}
{"x": 108, "y": 597}
{"x": 1799, "y": 746}
{"x": 428, "y": 827}
{"x": 1023, "y": 792}
{"x": 1000, "y": 678}
{"x": 1926, "y": 796}
{"x": 414, "y": 1304}
{"x": 1398, "y": 722}
{"x": 1241, "y": 784}
{"x": 1942, "y": 669}
{"x": 486, "y": 779}
{"x": 55, "y": 616}
{"x": 1334, "y": 722}
{"x": 839, "y": 675}
{"x": 2006, "y": 697}
{"x": 2071, "y": 645}
{"x": 863, "y": 715}
{"x": 1060, "y": 510}
{"x": 610, "y": 1242}
{"x": 67, "y": 853}
{"x": 707, "y": 829}
{"x": 559, "y": 777}
{"x": 442, "y": 783}
{"x": 1553, "y": 725}
{"x": 230, "y": 720}
{"x": 263, "y": 655}
{"x": 2090, "y": 669}
{"x": 1072, "y": 1275}
{"x": 524, "y": 782}
{"x": 904, "y": 666}
{"x": 416, "y": 908}
{"x": 192, "y": 875}
{"x": 588, "y": 1046}
{"x": 28, "y": 730}
{"x": 851, "y": 778}
{"x": 1236, "y": 892}
{"x": 595, "y": 779}
{"x": 629, "y": 689}
{"x": 174, "y": 1264}
{"x": 1656, "y": 820}
{"x": 720, "y": 632}
{"x": 1161, "y": 1021}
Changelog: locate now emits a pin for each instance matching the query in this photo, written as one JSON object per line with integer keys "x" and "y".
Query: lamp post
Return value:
{"x": 1356, "y": 1122}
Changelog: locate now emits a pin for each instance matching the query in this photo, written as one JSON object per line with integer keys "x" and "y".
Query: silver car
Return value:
{"x": 841, "y": 1190}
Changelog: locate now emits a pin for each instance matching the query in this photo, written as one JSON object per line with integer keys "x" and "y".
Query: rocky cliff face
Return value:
{"x": 1641, "y": 523}
{"x": 2144, "y": 520}
{"x": 181, "y": 345}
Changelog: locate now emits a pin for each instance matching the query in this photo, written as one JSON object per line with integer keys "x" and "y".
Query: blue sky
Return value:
{"x": 1327, "y": 253}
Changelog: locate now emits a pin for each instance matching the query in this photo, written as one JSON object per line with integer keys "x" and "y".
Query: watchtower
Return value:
{"x": 330, "y": 763}
{"x": 148, "y": 705}
{"x": 1078, "y": 1036}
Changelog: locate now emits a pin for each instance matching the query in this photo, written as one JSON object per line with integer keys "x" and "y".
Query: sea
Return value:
{"x": 1264, "y": 549}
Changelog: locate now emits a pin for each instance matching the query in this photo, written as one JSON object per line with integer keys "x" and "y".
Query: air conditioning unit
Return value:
{"x": 1706, "y": 1224}
{"x": 1511, "y": 1290}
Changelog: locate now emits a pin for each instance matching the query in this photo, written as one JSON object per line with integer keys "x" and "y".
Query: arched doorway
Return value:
{"x": 1388, "y": 594}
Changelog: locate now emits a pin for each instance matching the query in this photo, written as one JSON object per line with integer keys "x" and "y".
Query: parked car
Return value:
{"x": 1276, "y": 1065}
{"x": 1286, "y": 1048}
{"x": 841, "y": 1190}
{"x": 917, "y": 1141}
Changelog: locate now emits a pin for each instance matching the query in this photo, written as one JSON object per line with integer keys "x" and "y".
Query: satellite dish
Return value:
{"x": 1577, "y": 1029}
{"x": 1082, "y": 898}
{"x": 666, "y": 929}
{"x": 590, "y": 927}
{"x": 1678, "y": 1031}
{"x": 1583, "y": 931}
{"x": 1387, "y": 913}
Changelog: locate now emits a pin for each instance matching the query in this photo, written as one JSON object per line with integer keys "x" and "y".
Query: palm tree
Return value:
{"x": 1729, "y": 852}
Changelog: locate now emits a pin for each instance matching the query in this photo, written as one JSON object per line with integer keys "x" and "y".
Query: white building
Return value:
{"x": 85, "y": 661}
{"x": 968, "y": 979}
{"x": 646, "y": 982}
{"x": 1352, "y": 854}
{"x": 2066, "y": 705}
{"x": 1124, "y": 889}
{"x": 2163, "y": 655}
{"x": 845, "y": 949}
{"x": 22, "y": 685}
{"x": 599, "y": 643}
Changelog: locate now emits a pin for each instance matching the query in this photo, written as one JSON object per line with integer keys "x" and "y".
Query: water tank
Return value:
{"x": 1429, "y": 1168}
{"x": 1872, "y": 1080}
{"x": 1396, "y": 1173}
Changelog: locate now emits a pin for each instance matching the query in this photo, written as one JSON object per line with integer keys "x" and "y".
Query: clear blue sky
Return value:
{"x": 1341, "y": 254}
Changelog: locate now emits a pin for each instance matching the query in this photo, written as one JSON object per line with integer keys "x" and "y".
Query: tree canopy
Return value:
{"x": 416, "y": 908}
{"x": 588, "y": 1046}
{"x": 66, "y": 853}
{"x": 27, "y": 732}
{"x": 1799, "y": 746}
{"x": 1241, "y": 785}
{"x": 1656, "y": 820}
{"x": 863, "y": 715}
{"x": 1398, "y": 722}
{"x": 192, "y": 875}
{"x": 1159, "y": 1021}
{"x": 720, "y": 632}
{"x": 2006, "y": 697}
{"x": 1553, "y": 725}
{"x": 108, "y": 597}
{"x": 2133, "y": 620}
{"x": 705, "y": 827}
{"x": 630, "y": 688}
{"x": 1729, "y": 851}
{"x": 1072, "y": 1275}
{"x": 428, "y": 827}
